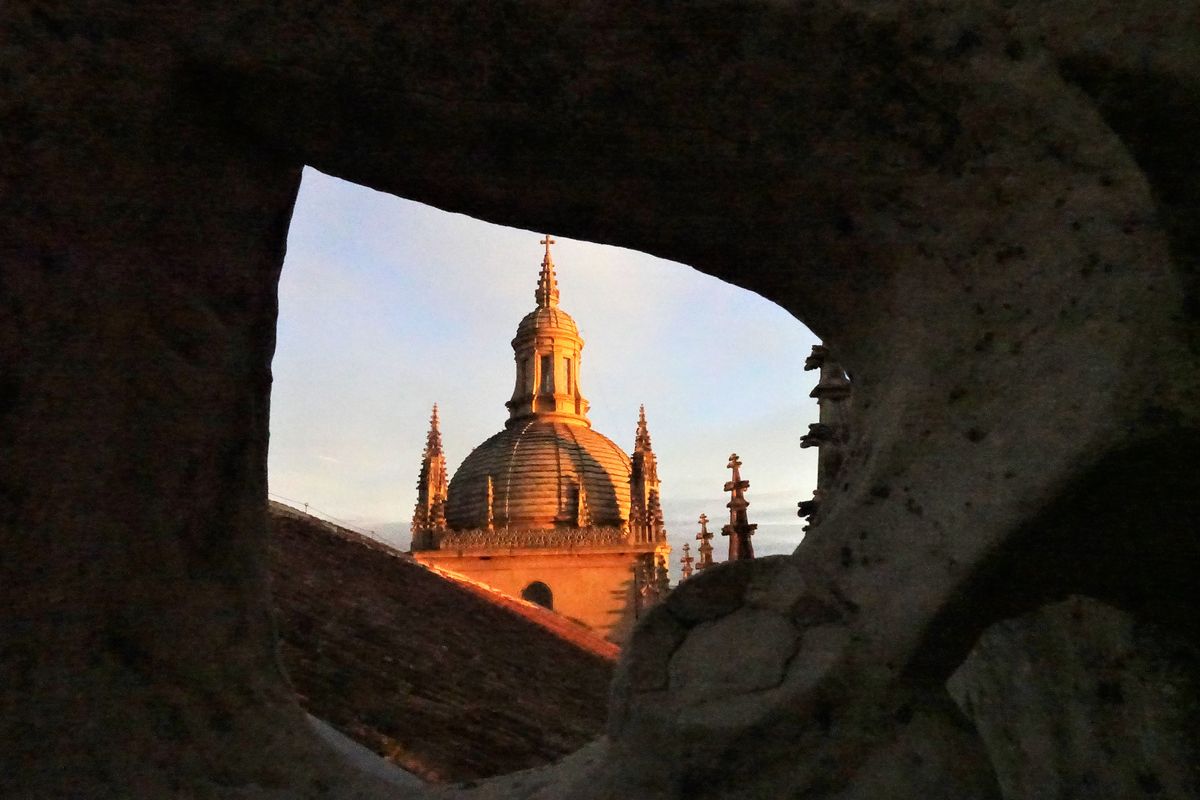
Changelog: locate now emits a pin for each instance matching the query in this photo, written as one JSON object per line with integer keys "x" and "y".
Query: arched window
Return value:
{"x": 538, "y": 592}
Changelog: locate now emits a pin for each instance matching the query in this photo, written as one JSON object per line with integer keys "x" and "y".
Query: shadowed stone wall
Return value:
{"x": 1080, "y": 700}
{"x": 987, "y": 210}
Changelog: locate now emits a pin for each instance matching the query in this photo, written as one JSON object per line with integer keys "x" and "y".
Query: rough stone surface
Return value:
{"x": 1081, "y": 700}
{"x": 744, "y": 652}
{"x": 987, "y": 210}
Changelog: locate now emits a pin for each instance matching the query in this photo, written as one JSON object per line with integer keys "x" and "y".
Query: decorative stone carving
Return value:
{"x": 506, "y": 538}
{"x": 739, "y": 530}
{"x": 429, "y": 517}
{"x": 831, "y": 433}
{"x": 705, "y": 537}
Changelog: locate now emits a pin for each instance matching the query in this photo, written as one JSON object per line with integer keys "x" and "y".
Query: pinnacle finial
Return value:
{"x": 433, "y": 442}
{"x": 642, "y": 437}
{"x": 739, "y": 530}
{"x": 547, "y": 290}
{"x": 704, "y": 537}
{"x": 686, "y": 562}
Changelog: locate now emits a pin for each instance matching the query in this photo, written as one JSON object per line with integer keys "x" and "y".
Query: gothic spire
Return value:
{"x": 641, "y": 440}
{"x": 429, "y": 515}
{"x": 645, "y": 502}
{"x": 739, "y": 530}
{"x": 547, "y": 289}
{"x": 433, "y": 440}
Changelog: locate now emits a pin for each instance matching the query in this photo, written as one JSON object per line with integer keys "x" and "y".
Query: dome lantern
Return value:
{"x": 546, "y": 350}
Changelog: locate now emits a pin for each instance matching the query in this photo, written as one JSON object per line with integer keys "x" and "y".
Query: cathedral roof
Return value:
{"x": 546, "y": 320}
{"x": 536, "y": 469}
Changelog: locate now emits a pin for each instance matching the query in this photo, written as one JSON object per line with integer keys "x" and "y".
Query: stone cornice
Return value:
{"x": 483, "y": 539}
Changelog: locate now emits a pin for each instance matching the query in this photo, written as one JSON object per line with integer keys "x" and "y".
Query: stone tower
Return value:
{"x": 548, "y": 508}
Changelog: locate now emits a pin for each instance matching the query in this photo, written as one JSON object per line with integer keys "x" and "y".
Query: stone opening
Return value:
{"x": 538, "y": 592}
{"x": 334, "y": 258}
{"x": 994, "y": 212}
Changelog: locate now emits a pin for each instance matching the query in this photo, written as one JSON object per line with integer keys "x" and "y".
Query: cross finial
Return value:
{"x": 547, "y": 290}
{"x": 706, "y": 549}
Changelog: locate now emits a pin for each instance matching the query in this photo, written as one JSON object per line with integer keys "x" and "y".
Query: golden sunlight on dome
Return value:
{"x": 537, "y": 470}
{"x": 548, "y": 503}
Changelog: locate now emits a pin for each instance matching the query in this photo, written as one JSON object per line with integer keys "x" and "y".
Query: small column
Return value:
{"x": 739, "y": 530}
{"x": 491, "y": 500}
{"x": 583, "y": 514}
{"x": 705, "y": 536}
{"x": 685, "y": 562}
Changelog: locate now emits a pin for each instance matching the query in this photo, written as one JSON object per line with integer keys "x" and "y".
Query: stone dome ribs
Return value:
{"x": 533, "y": 468}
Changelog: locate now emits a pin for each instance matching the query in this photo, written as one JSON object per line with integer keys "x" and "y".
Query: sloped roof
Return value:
{"x": 444, "y": 677}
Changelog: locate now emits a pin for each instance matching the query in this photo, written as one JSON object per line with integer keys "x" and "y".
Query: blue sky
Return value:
{"x": 387, "y": 306}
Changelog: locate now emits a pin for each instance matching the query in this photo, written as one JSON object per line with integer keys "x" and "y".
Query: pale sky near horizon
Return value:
{"x": 387, "y": 306}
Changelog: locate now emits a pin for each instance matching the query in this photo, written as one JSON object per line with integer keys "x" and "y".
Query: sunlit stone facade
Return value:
{"x": 547, "y": 509}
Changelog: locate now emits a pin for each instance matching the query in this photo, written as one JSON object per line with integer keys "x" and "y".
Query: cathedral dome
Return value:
{"x": 536, "y": 471}
{"x": 546, "y": 321}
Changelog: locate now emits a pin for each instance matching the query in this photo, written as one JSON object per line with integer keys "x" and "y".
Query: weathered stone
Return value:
{"x": 933, "y": 752}
{"x": 649, "y": 652}
{"x": 986, "y": 210}
{"x": 713, "y": 593}
{"x": 704, "y": 668}
{"x": 775, "y": 584}
{"x": 1079, "y": 699}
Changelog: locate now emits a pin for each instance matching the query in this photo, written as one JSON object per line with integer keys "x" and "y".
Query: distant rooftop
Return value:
{"x": 443, "y": 676}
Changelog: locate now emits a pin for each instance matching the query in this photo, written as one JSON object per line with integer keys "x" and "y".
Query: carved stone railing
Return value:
{"x": 483, "y": 539}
